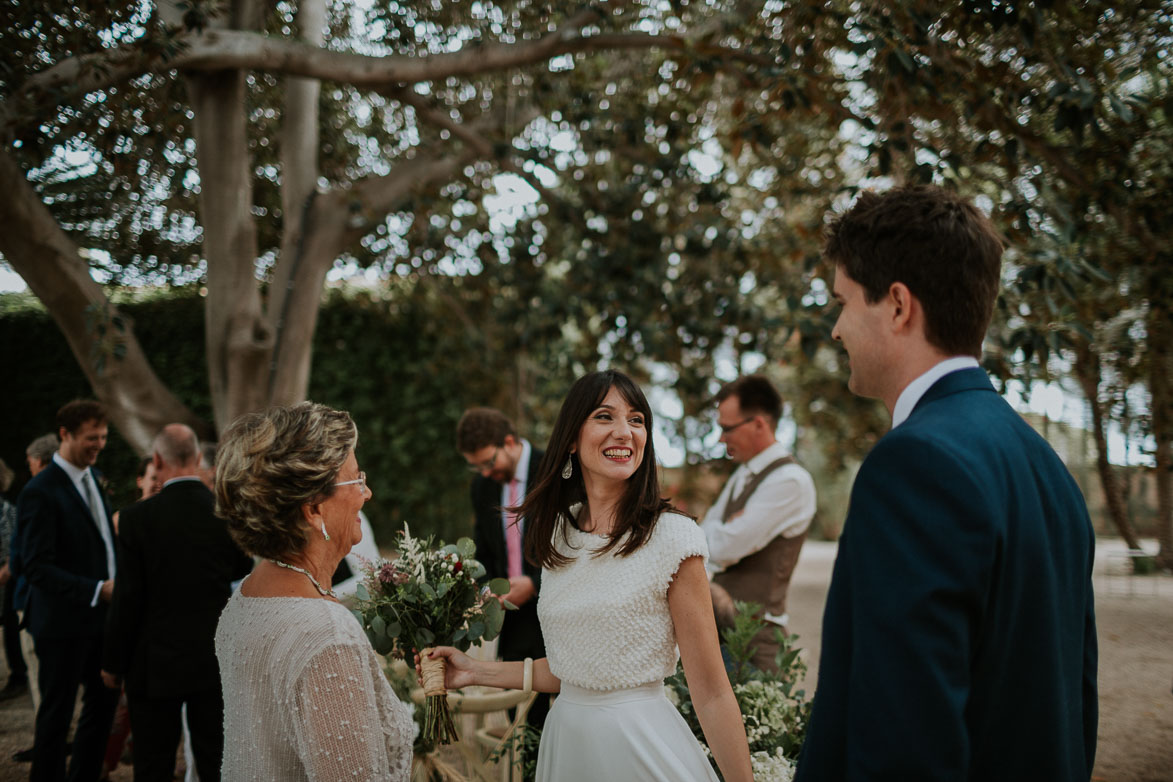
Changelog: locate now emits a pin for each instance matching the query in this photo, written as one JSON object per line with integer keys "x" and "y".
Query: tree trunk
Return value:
{"x": 1161, "y": 391}
{"x": 239, "y": 340}
{"x": 1087, "y": 369}
{"x": 102, "y": 339}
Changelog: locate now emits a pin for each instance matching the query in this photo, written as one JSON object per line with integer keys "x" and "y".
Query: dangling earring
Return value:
{"x": 325, "y": 534}
{"x": 568, "y": 470}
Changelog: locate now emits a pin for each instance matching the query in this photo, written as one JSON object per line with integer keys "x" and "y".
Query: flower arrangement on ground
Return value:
{"x": 775, "y": 714}
{"x": 428, "y": 595}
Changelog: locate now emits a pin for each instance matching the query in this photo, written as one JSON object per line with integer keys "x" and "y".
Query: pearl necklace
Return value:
{"x": 321, "y": 589}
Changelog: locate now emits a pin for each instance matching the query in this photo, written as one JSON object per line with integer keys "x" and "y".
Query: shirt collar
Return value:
{"x": 180, "y": 478}
{"x": 521, "y": 471}
{"x": 770, "y": 453}
{"x": 74, "y": 472}
{"x": 913, "y": 392}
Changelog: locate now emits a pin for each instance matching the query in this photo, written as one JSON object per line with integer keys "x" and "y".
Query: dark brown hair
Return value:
{"x": 481, "y": 426}
{"x": 547, "y": 505}
{"x": 73, "y": 414}
{"x": 755, "y": 395}
{"x": 936, "y": 243}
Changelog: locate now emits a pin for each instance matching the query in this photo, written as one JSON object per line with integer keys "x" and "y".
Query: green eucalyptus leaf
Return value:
{"x": 384, "y": 645}
{"x": 378, "y": 626}
{"x": 360, "y": 591}
{"x": 466, "y": 547}
{"x": 494, "y": 615}
{"x": 499, "y": 586}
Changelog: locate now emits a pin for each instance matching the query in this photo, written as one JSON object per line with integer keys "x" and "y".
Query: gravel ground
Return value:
{"x": 1135, "y": 617}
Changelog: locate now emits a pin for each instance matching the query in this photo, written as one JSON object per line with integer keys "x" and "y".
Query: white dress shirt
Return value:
{"x": 76, "y": 474}
{"x": 917, "y": 388}
{"x": 783, "y": 504}
{"x": 520, "y": 473}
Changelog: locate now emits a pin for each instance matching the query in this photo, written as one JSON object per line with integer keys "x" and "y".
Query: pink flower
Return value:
{"x": 389, "y": 575}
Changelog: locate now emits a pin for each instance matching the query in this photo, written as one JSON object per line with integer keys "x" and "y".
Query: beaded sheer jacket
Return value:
{"x": 606, "y": 619}
{"x": 305, "y": 697}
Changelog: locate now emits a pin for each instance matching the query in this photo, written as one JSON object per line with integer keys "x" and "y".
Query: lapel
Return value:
{"x": 972, "y": 379}
{"x": 535, "y": 461}
{"x": 67, "y": 488}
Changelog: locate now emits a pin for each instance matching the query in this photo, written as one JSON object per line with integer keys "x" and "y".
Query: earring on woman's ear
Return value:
{"x": 568, "y": 470}
{"x": 325, "y": 534}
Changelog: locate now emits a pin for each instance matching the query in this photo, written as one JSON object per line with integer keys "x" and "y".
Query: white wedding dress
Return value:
{"x": 610, "y": 640}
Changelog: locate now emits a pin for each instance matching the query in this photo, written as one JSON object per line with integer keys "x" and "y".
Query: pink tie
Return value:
{"x": 513, "y": 531}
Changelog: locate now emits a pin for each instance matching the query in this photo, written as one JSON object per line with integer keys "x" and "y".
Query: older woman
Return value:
{"x": 304, "y": 694}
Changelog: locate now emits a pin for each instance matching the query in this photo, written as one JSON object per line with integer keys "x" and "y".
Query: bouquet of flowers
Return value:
{"x": 428, "y": 596}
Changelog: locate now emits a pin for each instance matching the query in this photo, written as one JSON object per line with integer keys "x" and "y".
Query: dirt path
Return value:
{"x": 1135, "y": 623}
{"x": 1136, "y": 669}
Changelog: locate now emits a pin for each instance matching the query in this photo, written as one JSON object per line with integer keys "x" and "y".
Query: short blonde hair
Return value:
{"x": 271, "y": 464}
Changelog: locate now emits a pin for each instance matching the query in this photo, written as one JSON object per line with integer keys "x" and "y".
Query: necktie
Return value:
{"x": 92, "y": 498}
{"x": 513, "y": 531}
{"x": 99, "y": 516}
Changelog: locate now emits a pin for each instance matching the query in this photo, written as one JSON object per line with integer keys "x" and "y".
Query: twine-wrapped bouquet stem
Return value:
{"x": 437, "y": 716}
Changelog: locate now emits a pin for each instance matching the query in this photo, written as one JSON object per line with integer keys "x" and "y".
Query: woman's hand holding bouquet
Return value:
{"x": 429, "y": 596}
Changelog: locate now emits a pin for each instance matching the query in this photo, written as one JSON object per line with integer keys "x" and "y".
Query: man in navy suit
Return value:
{"x": 67, "y": 546}
{"x": 506, "y": 467}
{"x": 959, "y": 638}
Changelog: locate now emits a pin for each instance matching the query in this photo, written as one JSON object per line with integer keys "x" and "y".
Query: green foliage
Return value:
{"x": 400, "y": 368}
{"x": 521, "y": 745}
{"x": 775, "y": 714}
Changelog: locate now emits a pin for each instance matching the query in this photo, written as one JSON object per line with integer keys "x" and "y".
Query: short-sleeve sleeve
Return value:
{"x": 675, "y": 539}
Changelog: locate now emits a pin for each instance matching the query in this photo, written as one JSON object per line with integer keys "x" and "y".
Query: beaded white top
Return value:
{"x": 605, "y": 619}
{"x": 305, "y": 697}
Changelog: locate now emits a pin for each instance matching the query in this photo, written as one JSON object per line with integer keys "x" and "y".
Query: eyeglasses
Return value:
{"x": 488, "y": 464}
{"x": 731, "y": 427}
{"x": 361, "y": 480}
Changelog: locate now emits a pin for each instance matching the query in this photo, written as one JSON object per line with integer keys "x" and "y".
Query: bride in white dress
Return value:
{"x": 623, "y": 588}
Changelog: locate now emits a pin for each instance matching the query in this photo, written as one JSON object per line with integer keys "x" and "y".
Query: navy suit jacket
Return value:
{"x": 521, "y": 635}
{"x": 62, "y": 557}
{"x": 959, "y": 638}
{"x": 176, "y": 565}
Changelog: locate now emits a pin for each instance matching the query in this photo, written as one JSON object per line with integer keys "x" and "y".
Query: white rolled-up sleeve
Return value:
{"x": 783, "y": 504}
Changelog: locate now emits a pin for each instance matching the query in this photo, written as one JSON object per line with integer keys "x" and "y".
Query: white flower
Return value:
{"x": 771, "y": 768}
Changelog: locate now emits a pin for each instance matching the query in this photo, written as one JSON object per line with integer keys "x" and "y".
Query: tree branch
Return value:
{"x": 41, "y": 253}
{"x": 211, "y": 50}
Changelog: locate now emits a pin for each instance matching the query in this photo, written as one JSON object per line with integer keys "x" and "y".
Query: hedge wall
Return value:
{"x": 401, "y": 369}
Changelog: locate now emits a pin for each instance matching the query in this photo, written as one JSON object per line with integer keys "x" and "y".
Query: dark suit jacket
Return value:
{"x": 62, "y": 557}
{"x": 959, "y": 638}
{"x": 521, "y": 635}
{"x": 176, "y": 564}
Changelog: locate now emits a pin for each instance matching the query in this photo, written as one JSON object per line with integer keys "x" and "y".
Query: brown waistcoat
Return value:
{"x": 764, "y": 576}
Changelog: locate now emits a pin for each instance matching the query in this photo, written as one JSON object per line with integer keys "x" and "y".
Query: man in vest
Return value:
{"x": 756, "y": 528}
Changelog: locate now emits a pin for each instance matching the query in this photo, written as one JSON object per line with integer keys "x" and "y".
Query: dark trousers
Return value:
{"x": 17, "y": 670}
{"x": 155, "y": 724}
{"x": 66, "y": 665}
